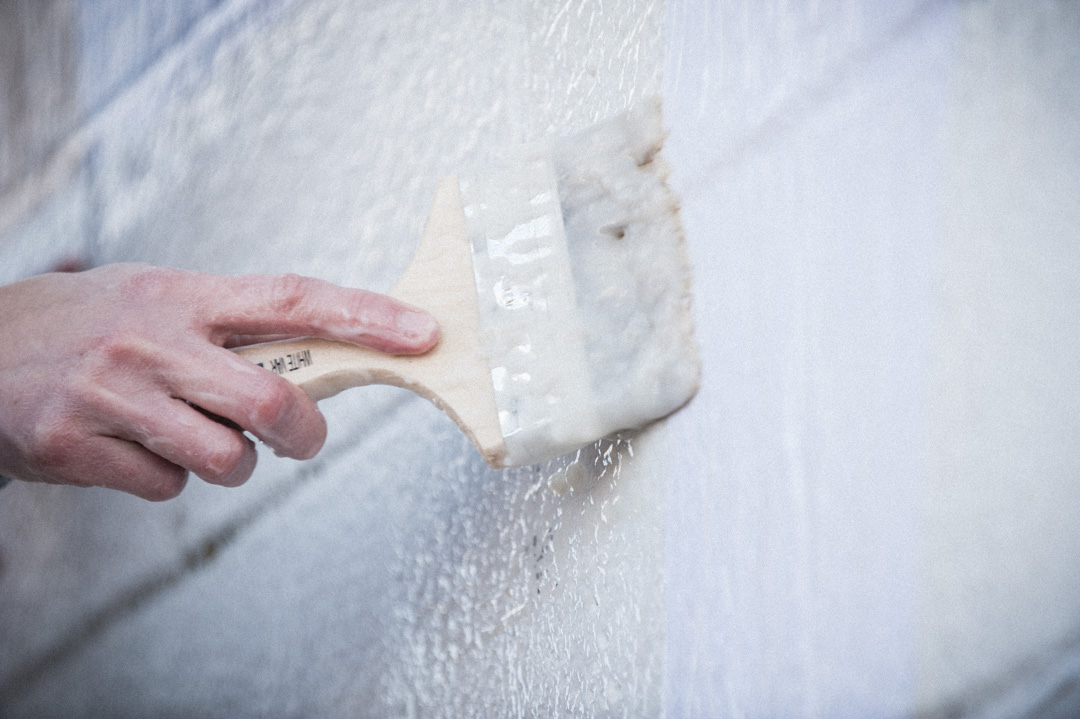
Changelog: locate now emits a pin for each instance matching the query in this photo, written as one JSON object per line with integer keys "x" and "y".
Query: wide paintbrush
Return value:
{"x": 562, "y": 287}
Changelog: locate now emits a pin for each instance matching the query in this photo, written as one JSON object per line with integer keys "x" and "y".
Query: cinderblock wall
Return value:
{"x": 868, "y": 510}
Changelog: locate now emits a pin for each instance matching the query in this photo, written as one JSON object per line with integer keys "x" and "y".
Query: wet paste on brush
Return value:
{"x": 584, "y": 288}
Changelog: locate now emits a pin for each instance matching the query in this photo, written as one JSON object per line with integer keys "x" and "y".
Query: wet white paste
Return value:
{"x": 584, "y": 287}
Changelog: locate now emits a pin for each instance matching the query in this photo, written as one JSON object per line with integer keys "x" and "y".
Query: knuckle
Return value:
{"x": 363, "y": 306}
{"x": 124, "y": 348}
{"x": 369, "y": 315}
{"x": 269, "y": 403}
{"x": 168, "y": 484}
{"x": 282, "y": 416}
{"x": 144, "y": 282}
{"x": 53, "y": 442}
{"x": 287, "y": 292}
{"x": 223, "y": 460}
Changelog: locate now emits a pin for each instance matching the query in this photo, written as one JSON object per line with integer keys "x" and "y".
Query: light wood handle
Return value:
{"x": 323, "y": 368}
{"x": 454, "y": 375}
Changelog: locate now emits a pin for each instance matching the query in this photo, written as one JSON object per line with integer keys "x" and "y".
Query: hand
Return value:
{"x": 97, "y": 370}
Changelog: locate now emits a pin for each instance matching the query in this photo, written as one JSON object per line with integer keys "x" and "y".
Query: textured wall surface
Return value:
{"x": 395, "y": 574}
{"x": 868, "y": 511}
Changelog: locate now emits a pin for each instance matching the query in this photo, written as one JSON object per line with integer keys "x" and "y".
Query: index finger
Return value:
{"x": 304, "y": 306}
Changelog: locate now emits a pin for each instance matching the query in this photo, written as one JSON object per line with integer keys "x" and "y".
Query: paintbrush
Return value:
{"x": 562, "y": 286}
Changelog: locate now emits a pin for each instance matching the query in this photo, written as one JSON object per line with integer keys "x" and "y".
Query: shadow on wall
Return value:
{"x": 38, "y": 40}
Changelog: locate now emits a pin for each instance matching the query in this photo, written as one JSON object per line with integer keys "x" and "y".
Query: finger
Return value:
{"x": 174, "y": 431}
{"x": 182, "y": 435}
{"x": 290, "y": 304}
{"x": 72, "y": 452}
{"x": 270, "y": 407}
{"x": 235, "y": 341}
{"x": 115, "y": 463}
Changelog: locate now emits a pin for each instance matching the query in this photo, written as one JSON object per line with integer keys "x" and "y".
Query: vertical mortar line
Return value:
{"x": 799, "y": 482}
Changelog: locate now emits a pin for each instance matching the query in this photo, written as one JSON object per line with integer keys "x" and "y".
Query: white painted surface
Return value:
{"x": 1001, "y": 554}
{"x": 872, "y": 506}
{"x": 813, "y": 245}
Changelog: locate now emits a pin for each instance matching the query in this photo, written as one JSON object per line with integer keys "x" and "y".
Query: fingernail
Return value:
{"x": 419, "y": 325}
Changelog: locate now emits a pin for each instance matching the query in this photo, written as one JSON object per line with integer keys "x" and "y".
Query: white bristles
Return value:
{"x": 583, "y": 286}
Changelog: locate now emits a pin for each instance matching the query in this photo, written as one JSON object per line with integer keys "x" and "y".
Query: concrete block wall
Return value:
{"x": 395, "y": 574}
{"x": 868, "y": 510}
{"x": 883, "y": 202}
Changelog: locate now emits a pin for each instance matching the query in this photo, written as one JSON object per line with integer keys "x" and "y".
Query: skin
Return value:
{"x": 97, "y": 370}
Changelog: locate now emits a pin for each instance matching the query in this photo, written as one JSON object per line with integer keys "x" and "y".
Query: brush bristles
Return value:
{"x": 583, "y": 285}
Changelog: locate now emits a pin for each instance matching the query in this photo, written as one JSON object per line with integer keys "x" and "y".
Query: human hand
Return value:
{"x": 97, "y": 370}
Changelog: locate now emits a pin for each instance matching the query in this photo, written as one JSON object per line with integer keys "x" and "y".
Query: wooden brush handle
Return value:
{"x": 322, "y": 368}
{"x": 454, "y": 375}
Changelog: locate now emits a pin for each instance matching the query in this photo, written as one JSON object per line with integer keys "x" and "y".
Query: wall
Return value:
{"x": 866, "y": 512}
{"x": 395, "y": 574}
{"x": 883, "y": 203}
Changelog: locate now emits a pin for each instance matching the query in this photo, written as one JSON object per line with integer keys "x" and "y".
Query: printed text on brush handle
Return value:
{"x": 288, "y": 362}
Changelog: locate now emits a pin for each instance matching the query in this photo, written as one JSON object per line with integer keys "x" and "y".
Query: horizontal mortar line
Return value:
{"x": 71, "y": 152}
{"x": 203, "y": 553}
{"x": 803, "y": 104}
{"x": 132, "y": 598}
{"x": 1047, "y": 671}
{"x": 1065, "y": 687}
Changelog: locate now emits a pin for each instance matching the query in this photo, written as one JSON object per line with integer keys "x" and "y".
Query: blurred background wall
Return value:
{"x": 869, "y": 510}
